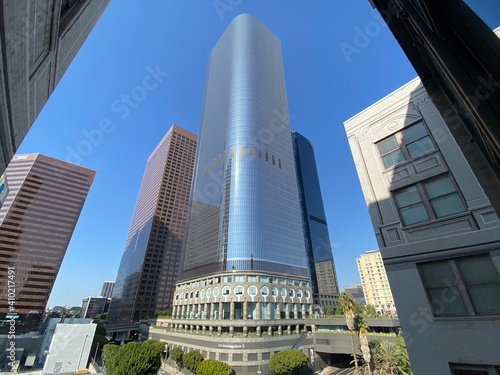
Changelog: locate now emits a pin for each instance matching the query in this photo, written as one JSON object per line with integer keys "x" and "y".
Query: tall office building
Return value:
{"x": 438, "y": 233}
{"x": 356, "y": 290}
{"x": 452, "y": 46}
{"x": 324, "y": 282}
{"x": 39, "y": 39}
{"x": 244, "y": 262}
{"x": 376, "y": 288}
{"x": 107, "y": 289}
{"x": 150, "y": 261}
{"x": 37, "y": 221}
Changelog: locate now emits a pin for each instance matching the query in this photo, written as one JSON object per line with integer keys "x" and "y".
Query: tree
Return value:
{"x": 177, "y": 354}
{"x": 370, "y": 311}
{"x": 213, "y": 367}
{"x": 191, "y": 360}
{"x": 287, "y": 362}
{"x": 389, "y": 358}
{"x": 138, "y": 358}
{"x": 166, "y": 312}
{"x": 110, "y": 357}
{"x": 329, "y": 310}
{"x": 347, "y": 304}
{"x": 362, "y": 330}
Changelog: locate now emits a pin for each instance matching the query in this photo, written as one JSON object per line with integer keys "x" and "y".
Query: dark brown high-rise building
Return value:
{"x": 37, "y": 221}
{"x": 38, "y": 41}
{"x": 150, "y": 262}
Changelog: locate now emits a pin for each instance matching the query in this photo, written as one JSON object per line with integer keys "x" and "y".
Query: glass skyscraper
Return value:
{"x": 244, "y": 259}
{"x": 317, "y": 239}
{"x": 150, "y": 261}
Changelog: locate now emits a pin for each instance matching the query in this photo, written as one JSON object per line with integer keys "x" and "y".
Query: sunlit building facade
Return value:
{"x": 438, "y": 233}
{"x": 37, "y": 221}
{"x": 244, "y": 269}
{"x": 150, "y": 261}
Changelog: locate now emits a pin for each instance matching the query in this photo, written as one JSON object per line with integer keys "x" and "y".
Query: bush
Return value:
{"x": 138, "y": 358}
{"x": 191, "y": 360}
{"x": 177, "y": 354}
{"x": 287, "y": 362}
{"x": 213, "y": 367}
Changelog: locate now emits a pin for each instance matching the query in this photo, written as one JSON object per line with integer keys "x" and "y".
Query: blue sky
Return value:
{"x": 107, "y": 115}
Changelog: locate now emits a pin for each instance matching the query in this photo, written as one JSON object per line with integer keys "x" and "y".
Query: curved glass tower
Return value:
{"x": 244, "y": 212}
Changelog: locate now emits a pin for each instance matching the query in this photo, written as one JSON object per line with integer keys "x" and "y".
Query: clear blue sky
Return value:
{"x": 339, "y": 58}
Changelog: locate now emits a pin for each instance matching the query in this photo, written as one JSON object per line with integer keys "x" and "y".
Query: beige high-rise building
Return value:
{"x": 375, "y": 284}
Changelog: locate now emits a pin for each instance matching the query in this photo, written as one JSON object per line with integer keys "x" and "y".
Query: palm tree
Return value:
{"x": 390, "y": 358}
{"x": 347, "y": 304}
{"x": 362, "y": 330}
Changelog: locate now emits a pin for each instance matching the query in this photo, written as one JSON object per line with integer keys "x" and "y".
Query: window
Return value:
{"x": 252, "y": 278}
{"x": 227, "y": 279}
{"x": 462, "y": 286}
{"x": 264, "y": 290}
{"x": 274, "y": 291}
{"x": 216, "y": 291}
{"x": 239, "y": 279}
{"x": 263, "y": 279}
{"x": 405, "y": 145}
{"x": 252, "y": 290}
{"x": 457, "y": 369}
{"x": 225, "y": 291}
{"x": 238, "y": 290}
{"x": 283, "y": 292}
{"x": 430, "y": 199}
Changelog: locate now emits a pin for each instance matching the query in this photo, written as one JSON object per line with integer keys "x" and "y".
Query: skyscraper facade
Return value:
{"x": 244, "y": 269}
{"x": 107, "y": 289}
{"x": 37, "y": 221}
{"x": 376, "y": 288}
{"x": 39, "y": 39}
{"x": 322, "y": 271}
{"x": 150, "y": 261}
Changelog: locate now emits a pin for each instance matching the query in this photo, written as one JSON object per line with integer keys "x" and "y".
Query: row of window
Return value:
{"x": 239, "y": 290}
{"x": 240, "y": 151}
{"x": 245, "y": 278}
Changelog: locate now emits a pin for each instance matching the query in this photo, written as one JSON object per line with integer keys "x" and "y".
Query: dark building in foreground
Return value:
{"x": 322, "y": 271}
{"x": 37, "y": 221}
{"x": 451, "y": 45}
{"x": 38, "y": 41}
{"x": 150, "y": 261}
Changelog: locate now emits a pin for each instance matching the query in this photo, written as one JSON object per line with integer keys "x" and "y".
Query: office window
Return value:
{"x": 252, "y": 278}
{"x": 462, "y": 286}
{"x": 227, "y": 279}
{"x": 405, "y": 145}
{"x": 238, "y": 290}
{"x": 426, "y": 200}
{"x": 264, "y": 291}
{"x": 458, "y": 369}
{"x": 239, "y": 279}
{"x": 225, "y": 291}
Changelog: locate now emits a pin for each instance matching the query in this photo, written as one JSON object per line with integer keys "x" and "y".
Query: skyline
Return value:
{"x": 327, "y": 83}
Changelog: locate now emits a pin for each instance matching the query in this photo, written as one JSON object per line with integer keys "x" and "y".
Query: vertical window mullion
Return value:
{"x": 461, "y": 288}
{"x": 402, "y": 146}
{"x": 425, "y": 201}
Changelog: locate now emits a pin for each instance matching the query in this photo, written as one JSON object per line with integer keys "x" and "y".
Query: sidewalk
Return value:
{"x": 168, "y": 369}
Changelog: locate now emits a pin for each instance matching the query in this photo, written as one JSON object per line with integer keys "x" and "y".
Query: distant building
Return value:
{"x": 376, "y": 288}
{"x": 150, "y": 262}
{"x": 39, "y": 39}
{"x": 438, "y": 233}
{"x": 322, "y": 271}
{"x": 94, "y": 305}
{"x": 356, "y": 290}
{"x": 107, "y": 289}
{"x": 37, "y": 221}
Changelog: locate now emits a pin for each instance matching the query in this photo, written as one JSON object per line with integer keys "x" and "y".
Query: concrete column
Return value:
{"x": 203, "y": 329}
{"x": 289, "y": 329}
{"x": 205, "y": 311}
{"x": 258, "y": 331}
{"x": 220, "y": 310}
{"x": 295, "y": 311}
{"x": 257, "y": 313}
{"x": 287, "y": 311}
{"x": 210, "y": 330}
{"x": 231, "y": 331}
{"x": 183, "y": 309}
{"x": 280, "y": 331}
{"x": 270, "y": 330}
{"x": 219, "y": 330}
{"x": 268, "y": 310}
{"x": 211, "y": 315}
{"x": 174, "y": 311}
{"x": 311, "y": 310}
{"x": 245, "y": 309}
{"x": 231, "y": 310}
{"x": 245, "y": 331}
